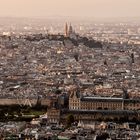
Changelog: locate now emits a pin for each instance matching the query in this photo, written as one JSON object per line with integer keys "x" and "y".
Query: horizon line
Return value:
{"x": 62, "y": 16}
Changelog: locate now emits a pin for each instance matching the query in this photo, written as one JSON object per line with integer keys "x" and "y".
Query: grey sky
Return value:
{"x": 94, "y": 8}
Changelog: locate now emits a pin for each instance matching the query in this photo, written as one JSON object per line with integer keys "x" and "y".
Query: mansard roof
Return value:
{"x": 101, "y": 99}
{"x": 76, "y": 94}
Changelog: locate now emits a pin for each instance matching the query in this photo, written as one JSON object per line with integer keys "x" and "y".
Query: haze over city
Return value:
{"x": 87, "y": 8}
{"x": 69, "y": 70}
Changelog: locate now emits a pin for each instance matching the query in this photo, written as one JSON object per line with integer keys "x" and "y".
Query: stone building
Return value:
{"x": 77, "y": 102}
{"x": 80, "y": 102}
{"x": 91, "y": 108}
{"x": 53, "y": 115}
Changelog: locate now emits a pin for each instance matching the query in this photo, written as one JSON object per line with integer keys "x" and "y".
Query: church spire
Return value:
{"x": 66, "y": 30}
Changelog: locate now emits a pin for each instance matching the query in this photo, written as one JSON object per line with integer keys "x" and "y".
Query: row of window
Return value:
{"x": 74, "y": 107}
{"x": 109, "y": 105}
{"x": 96, "y": 105}
{"x": 134, "y": 105}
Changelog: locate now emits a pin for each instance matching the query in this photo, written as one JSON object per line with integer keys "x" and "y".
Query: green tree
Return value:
{"x": 103, "y": 136}
{"x": 70, "y": 120}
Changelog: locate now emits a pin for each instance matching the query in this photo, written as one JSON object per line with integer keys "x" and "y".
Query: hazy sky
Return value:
{"x": 94, "y": 8}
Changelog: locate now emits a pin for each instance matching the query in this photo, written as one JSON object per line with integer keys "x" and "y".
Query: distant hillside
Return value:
{"x": 91, "y": 43}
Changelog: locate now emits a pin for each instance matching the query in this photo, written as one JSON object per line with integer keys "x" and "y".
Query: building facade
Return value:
{"x": 53, "y": 115}
{"x": 78, "y": 102}
{"x": 91, "y": 108}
